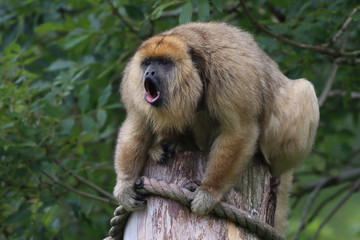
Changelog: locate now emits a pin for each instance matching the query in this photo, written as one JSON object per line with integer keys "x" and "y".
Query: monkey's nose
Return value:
{"x": 150, "y": 73}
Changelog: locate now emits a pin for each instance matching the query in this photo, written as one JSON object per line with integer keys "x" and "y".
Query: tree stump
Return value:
{"x": 168, "y": 219}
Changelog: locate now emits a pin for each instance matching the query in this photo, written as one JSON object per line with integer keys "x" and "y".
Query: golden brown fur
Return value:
{"x": 231, "y": 98}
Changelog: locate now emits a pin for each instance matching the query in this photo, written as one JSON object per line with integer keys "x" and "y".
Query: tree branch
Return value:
{"x": 309, "y": 202}
{"x": 329, "y": 83}
{"x": 354, "y": 188}
{"x": 345, "y": 176}
{"x": 82, "y": 180}
{"x": 343, "y": 28}
{"x": 331, "y": 78}
{"x": 324, "y": 203}
{"x": 318, "y": 48}
{"x": 346, "y": 61}
{"x": 338, "y": 92}
{"x": 276, "y": 12}
{"x": 70, "y": 188}
{"x": 321, "y": 205}
{"x": 354, "y": 154}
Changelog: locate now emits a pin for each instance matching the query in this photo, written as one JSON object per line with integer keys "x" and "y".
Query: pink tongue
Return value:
{"x": 152, "y": 93}
{"x": 150, "y": 97}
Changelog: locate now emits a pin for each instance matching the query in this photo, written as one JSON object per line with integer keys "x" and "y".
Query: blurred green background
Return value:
{"x": 60, "y": 69}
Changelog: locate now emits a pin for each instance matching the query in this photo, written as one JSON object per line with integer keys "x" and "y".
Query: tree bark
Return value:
{"x": 168, "y": 219}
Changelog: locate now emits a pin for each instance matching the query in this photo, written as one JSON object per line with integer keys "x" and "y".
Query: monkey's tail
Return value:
{"x": 283, "y": 201}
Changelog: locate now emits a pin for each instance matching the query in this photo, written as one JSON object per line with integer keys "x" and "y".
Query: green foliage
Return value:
{"x": 60, "y": 69}
{"x": 186, "y": 13}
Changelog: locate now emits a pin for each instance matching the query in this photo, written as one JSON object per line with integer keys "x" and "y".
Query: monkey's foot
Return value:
{"x": 192, "y": 185}
{"x": 203, "y": 202}
{"x": 128, "y": 198}
{"x": 169, "y": 150}
{"x": 164, "y": 152}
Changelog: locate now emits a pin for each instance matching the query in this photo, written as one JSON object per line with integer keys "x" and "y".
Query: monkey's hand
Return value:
{"x": 161, "y": 153}
{"x": 124, "y": 192}
{"x": 203, "y": 202}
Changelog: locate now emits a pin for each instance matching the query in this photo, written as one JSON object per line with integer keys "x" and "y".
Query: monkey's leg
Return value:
{"x": 130, "y": 155}
{"x": 291, "y": 129}
{"x": 229, "y": 157}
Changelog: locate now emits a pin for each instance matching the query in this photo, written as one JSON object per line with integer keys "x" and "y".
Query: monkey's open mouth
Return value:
{"x": 152, "y": 93}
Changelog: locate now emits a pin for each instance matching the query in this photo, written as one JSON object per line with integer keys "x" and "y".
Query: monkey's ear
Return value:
{"x": 198, "y": 62}
{"x": 196, "y": 57}
{"x": 200, "y": 65}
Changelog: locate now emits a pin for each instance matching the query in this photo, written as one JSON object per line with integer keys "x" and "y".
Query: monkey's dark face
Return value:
{"x": 162, "y": 82}
{"x": 156, "y": 76}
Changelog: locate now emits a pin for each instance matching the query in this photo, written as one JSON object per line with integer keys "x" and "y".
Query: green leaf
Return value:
{"x": 134, "y": 12}
{"x": 303, "y": 8}
{"x": 104, "y": 96}
{"x": 30, "y": 60}
{"x": 84, "y": 98}
{"x": 49, "y": 26}
{"x": 88, "y": 123}
{"x": 186, "y": 13}
{"x": 356, "y": 16}
{"x": 158, "y": 11}
{"x": 75, "y": 41}
{"x": 204, "y": 10}
{"x": 6, "y": 17}
{"x": 114, "y": 105}
{"x": 20, "y": 216}
{"x": 28, "y": 143}
{"x": 59, "y": 65}
{"x": 80, "y": 148}
{"x": 51, "y": 110}
{"x": 258, "y": 2}
{"x": 145, "y": 28}
{"x": 101, "y": 116}
{"x": 7, "y": 146}
{"x": 11, "y": 51}
{"x": 66, "y": 125}
{"x": 218, "y": 4}
{"x": 13, "y": 48}
{"x": 7, "y": 125}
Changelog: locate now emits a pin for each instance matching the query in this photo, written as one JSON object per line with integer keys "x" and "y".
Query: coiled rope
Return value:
{"x": 144, "y": 185}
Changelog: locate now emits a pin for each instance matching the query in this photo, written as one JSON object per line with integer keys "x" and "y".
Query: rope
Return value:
{"x": 144, "y": 185}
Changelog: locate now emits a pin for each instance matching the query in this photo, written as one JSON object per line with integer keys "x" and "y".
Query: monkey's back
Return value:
{"x": 242, "y": 78}
{"x": 237, "y": 71}
{"x": 214, "y": 35}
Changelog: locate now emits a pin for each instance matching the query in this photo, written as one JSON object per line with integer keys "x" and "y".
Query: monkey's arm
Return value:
{"x": 229, "y": 156}
{"x": 130, "y": 154}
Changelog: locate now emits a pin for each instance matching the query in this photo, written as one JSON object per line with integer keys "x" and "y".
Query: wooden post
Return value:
{"x": 168, "y": 219}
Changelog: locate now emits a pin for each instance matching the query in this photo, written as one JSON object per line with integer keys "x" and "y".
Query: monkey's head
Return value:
{"x": 163, "y": 83}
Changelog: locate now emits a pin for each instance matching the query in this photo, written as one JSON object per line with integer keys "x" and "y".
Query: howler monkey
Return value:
{"x": 212, "y": 82}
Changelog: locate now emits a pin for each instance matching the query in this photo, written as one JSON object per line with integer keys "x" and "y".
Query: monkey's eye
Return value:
{"x": 147, "y": 62}
{"x": 165, "y": 61}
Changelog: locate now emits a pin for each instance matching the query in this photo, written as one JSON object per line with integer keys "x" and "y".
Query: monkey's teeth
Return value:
{"x": 152, "y": 94}
{"x": 150, "y": 98}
